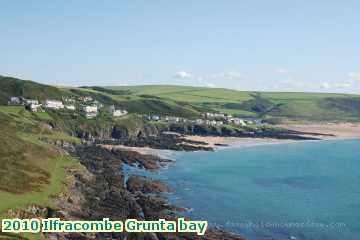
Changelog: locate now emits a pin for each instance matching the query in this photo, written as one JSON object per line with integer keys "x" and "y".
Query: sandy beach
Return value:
{"x": 163, "y": 153}
{"x": 339, "y": 130}
{"x": 236, "y": 141}
{"x": 331, "y": 131}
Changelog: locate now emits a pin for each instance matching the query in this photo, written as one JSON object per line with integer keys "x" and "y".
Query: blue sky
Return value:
{"x": 274, "y": 45}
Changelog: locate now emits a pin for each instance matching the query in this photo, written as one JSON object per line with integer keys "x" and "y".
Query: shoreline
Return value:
{"x": 219, "y": 143}
{"x": 327, "y": 131}
{"x": 323, "y": 131}
{"x": 162, "y": 153}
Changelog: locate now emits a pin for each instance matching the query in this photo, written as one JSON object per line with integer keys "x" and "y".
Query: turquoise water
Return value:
{"x": 296, "y": 191}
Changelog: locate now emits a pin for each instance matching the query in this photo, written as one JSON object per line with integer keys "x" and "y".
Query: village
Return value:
{"x": 85, "y": 105}
{"x": 89, "y": 108}
{"x": 209, "y": 119}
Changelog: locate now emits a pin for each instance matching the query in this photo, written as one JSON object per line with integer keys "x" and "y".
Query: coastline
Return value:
{"x": 337, "y": 130}
{"x": 218, "y": 143}
{"x": 323, "y": 131}
{"x": 162, "y": 153}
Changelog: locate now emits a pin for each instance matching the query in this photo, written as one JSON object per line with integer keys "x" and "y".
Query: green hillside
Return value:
{"x": 285, "y": 106}
{"x": 31, "y": 170}
{"x": 28, "y": 89}
{"x": 189, "y": 102}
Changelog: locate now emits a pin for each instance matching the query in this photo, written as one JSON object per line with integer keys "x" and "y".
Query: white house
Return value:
{"x": 14, "y": 101}
{"x": 90, "y": 111}
{"x": 172, "y": 119}
{"x": 70, "y": 107}
{"x": 155, "y": 118}
{"x": 54, "y": 104}
{"x": 119, "y": 113}
{"x": 199, "y": 121}
{"x": 33, "y": 107}
{"x": 239, "y": 121}
{"x": 85, "y": 98}
{"x": 219, "y": 123}
{"x": 31, "y": 101}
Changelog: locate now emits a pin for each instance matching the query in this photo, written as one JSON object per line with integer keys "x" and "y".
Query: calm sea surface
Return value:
{"x": 299, "y": 191}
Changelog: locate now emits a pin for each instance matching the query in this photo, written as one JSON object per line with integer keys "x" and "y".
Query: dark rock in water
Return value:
{"x": 146, "y": 185}
{"x": 99, "y": 191}
{"x": 221, "y": 144}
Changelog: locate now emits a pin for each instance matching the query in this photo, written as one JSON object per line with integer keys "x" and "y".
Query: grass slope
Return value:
{"x": 15, "y": 87}
{"x": 31, "y": 170}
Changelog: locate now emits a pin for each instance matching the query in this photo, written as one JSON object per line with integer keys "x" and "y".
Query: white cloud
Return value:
{"x": 326, "y": 85}
{"x": 354, "y": 77}
{"x": 183, "y": 75}
{"x": 229, "y": 76}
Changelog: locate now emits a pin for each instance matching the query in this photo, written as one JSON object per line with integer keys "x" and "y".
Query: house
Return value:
{"x": 70, "y": 107}
{"x": 54, "y": 104}
{"x": 219, "y": 123}
{"x": 255, "y": 121}
{"x": 172, "y": 119}
{"x": 85, "y": 98}
{"x": 119, "y": 113}
{"x": 33, "y": 107}
{"x": 155, "y": 117}
{"x": 210, "y": 122}
{"x": 89, "y": 111}
{"x": 14, "y": 101}
{"x": 219, "y": 115}
{"x": 199, "y": 121}
{"x": 209, "y": 115}
{"x": 68, "y": 100}
{"x": 30, "y": 101}
{"x": 239, "y": 121}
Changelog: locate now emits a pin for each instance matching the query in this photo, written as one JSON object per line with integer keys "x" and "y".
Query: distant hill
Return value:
{"x": 187, "y": 101}
{"x": 281, "y": 105}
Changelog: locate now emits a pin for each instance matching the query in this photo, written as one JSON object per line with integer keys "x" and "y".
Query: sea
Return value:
{"x": 294, "y": 191}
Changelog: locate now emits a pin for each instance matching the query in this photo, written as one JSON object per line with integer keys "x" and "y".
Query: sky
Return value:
{"x": 267, "y": 45}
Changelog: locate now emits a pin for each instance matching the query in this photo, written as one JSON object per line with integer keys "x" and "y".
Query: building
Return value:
{"x": 30, "y": 101}
{"x": 33, "y": 107}
{"x": 119, "y": 113}
{"x": 199, "y": 121}
{"x": 213, "y": 115}
{"x": 85, "y": 98}
{"x": 54, "y": 104}
{"x": 68, "y": 100}
{"x": 90, "y": 111}
{"x": 172, "y": 119}
{"x": 219, "y": 123}
{"x": 70, "y": 107}
{"x": 155, "y": 117}
{"x": 255, "y": 121}
{"x": 238, "y": 121}
{"x": 210, "y": 122}
{"x": 14, "y": 101}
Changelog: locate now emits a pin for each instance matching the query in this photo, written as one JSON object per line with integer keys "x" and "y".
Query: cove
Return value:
{"x": 307, "y": 190}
